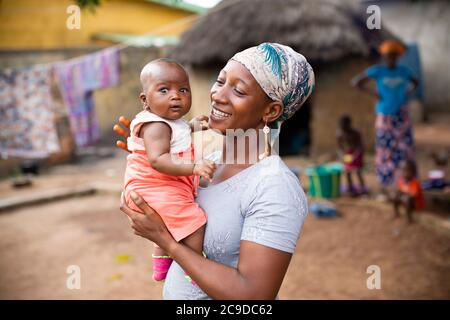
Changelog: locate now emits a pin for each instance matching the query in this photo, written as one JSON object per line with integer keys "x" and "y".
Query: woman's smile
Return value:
{"x": 237, "y": 100}
{"x": 218, "y": 115}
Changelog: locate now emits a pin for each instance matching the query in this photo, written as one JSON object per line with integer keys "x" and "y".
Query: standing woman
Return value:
{"x": 393, "y": 127}
{"x": 255, "y": 209}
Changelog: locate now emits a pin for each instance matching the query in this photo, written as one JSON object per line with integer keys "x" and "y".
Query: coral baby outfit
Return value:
{"x": 171, "y": 196}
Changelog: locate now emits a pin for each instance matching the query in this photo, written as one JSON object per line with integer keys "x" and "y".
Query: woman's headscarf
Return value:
{"x": 282, "y": 73}
{"x": 391, "y": 46}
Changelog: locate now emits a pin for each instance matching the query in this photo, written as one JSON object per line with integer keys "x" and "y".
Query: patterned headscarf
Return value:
{"x": 282, "y": 73}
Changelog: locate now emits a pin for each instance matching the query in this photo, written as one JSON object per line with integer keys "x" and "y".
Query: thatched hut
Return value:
{"x": 332, "y": 35}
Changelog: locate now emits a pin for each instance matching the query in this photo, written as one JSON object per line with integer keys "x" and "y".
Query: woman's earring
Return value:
{"x": 266, "y": 153}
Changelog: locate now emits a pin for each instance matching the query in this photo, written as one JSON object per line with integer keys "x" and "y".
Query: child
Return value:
{"x": 351, "y": 150}
{"x": 409, "y": 192}
{"x": 160, "y": 167}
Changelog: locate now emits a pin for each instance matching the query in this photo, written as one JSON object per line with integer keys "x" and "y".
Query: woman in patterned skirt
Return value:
{"x": 394, "y": 85}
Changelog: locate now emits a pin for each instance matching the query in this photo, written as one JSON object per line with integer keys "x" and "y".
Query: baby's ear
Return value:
{"x": 142, "y": 97}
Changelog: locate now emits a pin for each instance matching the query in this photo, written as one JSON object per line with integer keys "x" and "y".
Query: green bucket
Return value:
{"x": 325, "y": 180}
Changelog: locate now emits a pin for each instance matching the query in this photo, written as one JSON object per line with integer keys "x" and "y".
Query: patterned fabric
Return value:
{"x": 282, "y": 73}
{"x": 394, "y": 143}
{"x": 77, "y": 79}
{"x": 27, "y": 113}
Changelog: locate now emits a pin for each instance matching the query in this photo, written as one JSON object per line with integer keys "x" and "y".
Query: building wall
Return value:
{"x": 32, "y": 24}
{"x": 333, "y": 97}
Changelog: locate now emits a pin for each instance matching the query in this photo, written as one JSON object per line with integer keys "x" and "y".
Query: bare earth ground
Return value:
{"x": 38, "y": 243}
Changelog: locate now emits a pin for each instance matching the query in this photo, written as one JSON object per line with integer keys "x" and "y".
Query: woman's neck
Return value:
{"x": 243, "y": 148}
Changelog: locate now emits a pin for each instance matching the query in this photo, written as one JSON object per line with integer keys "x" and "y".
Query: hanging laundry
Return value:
{"x": 78, "y": 78}
{"x": 27, "y": 112}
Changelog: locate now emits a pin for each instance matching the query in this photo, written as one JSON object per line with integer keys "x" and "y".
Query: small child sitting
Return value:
{"x": 409, "y": 191}
{"x": 351, "y": 151}
{"x": 161, "y": 165}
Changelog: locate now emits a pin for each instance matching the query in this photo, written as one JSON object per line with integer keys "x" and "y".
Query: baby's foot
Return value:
{"x": 161, "y": 265}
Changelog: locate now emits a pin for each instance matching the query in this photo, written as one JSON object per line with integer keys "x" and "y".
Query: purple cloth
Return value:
{"x": 77, "y": 80}
{"x": 27, "y": 113}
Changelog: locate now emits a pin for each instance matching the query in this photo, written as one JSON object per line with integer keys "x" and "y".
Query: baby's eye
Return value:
{"x": 164, "y": 90}
{"x": 219, "y": 81}
{"x": 184, "y": 90}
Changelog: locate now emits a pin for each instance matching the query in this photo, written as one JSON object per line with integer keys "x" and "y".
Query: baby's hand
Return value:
{"x": 205, "y": 169}
{"x": 199, "y": 123}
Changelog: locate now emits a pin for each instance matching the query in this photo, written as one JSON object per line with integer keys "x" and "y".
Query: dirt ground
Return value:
{"x": 39, "y": 243}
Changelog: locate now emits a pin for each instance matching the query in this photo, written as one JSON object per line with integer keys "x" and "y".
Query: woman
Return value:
{"x": 394, "y": 139}
{"x": 255, "y": 211}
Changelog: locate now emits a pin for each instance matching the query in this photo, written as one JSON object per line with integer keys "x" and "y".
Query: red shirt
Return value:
{"x": 414, "y": 189}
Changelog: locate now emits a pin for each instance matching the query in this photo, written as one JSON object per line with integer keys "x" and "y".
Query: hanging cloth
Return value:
{"x": 27, "y": 111}
{"x": 78, "y": 78}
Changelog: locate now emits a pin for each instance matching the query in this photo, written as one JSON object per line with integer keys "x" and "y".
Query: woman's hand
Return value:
{"x": 199, "y": 123}
{"x": 361, "y": 81}
{"x": 125, "y": 133}
{"x": 148, "y": 225}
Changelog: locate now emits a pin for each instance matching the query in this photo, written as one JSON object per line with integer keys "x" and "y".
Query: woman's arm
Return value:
{"x": 259, "y": 273}
{"x": 412, "y": 87}
{"x": 361, "y": 81}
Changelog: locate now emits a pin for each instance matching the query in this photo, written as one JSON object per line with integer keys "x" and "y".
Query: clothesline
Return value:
{"x": 28, "y": 107}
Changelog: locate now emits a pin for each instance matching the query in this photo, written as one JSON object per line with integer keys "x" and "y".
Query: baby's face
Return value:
{"x": 407, "y": 171}
{"x": 167, "y": 92}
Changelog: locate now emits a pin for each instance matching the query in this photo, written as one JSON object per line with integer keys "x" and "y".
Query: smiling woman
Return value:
{"x": 233, "y": 95}
{"x": 255, "y": 210}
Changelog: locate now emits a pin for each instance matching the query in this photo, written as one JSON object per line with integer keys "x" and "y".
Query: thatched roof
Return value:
{"x": 322, "y": 30}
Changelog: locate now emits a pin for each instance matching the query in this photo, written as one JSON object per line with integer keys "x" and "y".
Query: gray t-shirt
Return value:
{"x": 263, "y": 203}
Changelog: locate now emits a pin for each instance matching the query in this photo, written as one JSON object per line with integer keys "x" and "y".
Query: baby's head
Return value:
{"x": 408, "y": 169}
{"x": 345, "y": 122}
{"x": 166, "y": 91}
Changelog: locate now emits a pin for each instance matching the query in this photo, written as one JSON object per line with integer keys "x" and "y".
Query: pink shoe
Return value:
{"x": 161, "y": 265}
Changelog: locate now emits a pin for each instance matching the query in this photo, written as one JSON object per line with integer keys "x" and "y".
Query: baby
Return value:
{"x": 161, "y": 165}
{"x": 409, "y": 191}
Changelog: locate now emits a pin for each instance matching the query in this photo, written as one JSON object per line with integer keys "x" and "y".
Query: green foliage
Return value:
{"x": 90, "y": 4}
